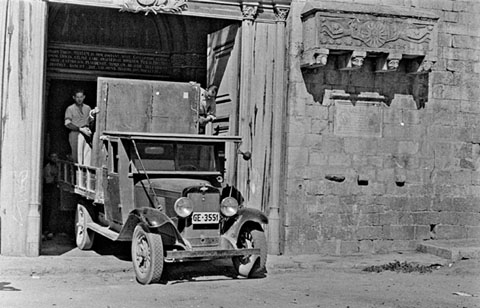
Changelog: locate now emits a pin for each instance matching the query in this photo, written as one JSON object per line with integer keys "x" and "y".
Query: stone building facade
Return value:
{"x": 380, "y": 158}
{"x": 362, "y": 116}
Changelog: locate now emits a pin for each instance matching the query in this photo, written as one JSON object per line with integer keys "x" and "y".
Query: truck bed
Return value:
{"x": 81, "y": 180}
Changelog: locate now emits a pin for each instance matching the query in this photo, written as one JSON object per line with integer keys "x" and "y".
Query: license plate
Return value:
{"x": 206, "y": 218}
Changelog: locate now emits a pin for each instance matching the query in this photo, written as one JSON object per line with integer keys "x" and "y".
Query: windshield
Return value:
{"x": 176, "y": 156}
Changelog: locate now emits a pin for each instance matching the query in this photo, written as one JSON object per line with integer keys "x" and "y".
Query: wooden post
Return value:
{"x": 278, "y": 150}
{"x": 21, "y": 132}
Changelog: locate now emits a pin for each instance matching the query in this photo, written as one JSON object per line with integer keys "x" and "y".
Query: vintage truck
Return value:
{"x": 157, "y": 183}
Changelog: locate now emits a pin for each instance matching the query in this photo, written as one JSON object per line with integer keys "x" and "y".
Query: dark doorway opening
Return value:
{"x": 86, "y": 42}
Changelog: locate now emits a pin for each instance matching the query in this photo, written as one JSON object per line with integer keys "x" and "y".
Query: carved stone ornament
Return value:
{"x": 281, "y": 13}
{"x": 373, "y": 33}
{"x": 154, "y": 6}
{"x": 371, "y": 28}
{"x": 249, "y": 11}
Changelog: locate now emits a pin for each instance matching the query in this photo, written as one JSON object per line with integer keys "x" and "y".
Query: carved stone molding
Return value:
{"x": 374, "y": 33}
{"x": 376, "y": 30}
{"x": 154, "y": 6}
{"x": 281, "y": 13}
{"x": 249, "y": 10}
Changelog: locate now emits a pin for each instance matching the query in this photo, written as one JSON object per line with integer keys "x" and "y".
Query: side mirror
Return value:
{"x": 246, "y": 155}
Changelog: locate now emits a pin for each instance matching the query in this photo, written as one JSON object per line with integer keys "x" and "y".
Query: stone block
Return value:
{"x": 418, "y": 204}
{"x": 368, "y": 220}
{"x": 369, "y": 233}
{"x": 296, "y": 140}
{"x": 392, "y": 116}
{"x": 405, "y": 218}
{"x": 397, "y": 232}
{"x": 318, "y": 111}
{"x": 445, "y": 232}
{"x": 366, "y": 246}
{"x": 349, "y": 247}
{"x": 317, "y": 158}
{"x": 404, "y": 245}
{"x": 421, "y": 232}
{"x": 442, "y": 204}
{"x": 315, "y": 187}
{"x": 426, "y": 218}
{"x": 465, "y": 41}
{"x": 319, "y": 126}
{"x": 338, "y": 159}
{"x": 468, "y": 219}
{"x": 473, "y": 231}
{"x": 451, "y": 16}
{"x": 406, "y": 102}
{"x": 463, "y": 177}
{"x": 382, "y": 246}
{"x": 386, "y": 146}
{"x": 389, "y": 218}
{"x": 297, "y": 156}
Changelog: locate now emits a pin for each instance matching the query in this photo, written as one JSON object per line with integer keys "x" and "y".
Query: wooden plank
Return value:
{"x": 223, "y": 63}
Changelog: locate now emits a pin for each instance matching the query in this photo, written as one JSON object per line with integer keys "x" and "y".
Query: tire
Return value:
{"x": 83, "y": 236}
{"x": 147, "y": 255}
{"x": 252, "y": 266}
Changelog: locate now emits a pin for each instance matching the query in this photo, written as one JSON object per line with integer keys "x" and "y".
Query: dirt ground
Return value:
{"x": 331, "y": 282}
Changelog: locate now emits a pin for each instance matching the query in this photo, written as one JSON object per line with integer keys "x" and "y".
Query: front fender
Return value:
{"x": 245, "y": 215}
{"x": 152, "y": 219}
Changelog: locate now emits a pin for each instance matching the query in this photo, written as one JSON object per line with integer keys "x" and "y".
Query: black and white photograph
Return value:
{"x": 229, "y": 153}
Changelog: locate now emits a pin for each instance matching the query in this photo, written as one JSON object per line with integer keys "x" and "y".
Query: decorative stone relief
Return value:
{"x": 356, "y": 115}
{"x": 281, "y": 13}
{"x": 371, "y": 29}
{"x": 154, "y": 6}
{"x": 249, "y": 10}
{"x": 373, "y": 33}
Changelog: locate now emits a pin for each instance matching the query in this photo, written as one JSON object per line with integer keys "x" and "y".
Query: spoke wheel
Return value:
{"x": 251, "y": 266}
{"x": 147, "y": 255}
{"x": 83, "y": 236}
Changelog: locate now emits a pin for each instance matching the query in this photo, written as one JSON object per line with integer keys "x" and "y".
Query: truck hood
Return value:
{"x": 172, "y": 184}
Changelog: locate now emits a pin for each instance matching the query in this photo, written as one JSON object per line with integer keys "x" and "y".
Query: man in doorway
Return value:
{"x": 207, "y": 107}
{"x": 77, "y": 119}
{"x": 50, "y": 195}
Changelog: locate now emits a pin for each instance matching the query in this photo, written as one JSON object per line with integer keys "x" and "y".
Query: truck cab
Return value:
{"x": 163, "y": 191}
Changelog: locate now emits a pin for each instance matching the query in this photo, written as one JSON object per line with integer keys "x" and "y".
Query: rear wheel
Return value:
{"x": 83, "y": 236}
{"x": 147, "y": 255}
{"x": 251, "y": 266}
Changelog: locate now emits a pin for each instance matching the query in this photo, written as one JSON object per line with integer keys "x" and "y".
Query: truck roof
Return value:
{"x": 170, "y": 137}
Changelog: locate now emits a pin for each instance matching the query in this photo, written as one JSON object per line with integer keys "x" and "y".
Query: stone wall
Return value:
{"x": 418, "y": 179}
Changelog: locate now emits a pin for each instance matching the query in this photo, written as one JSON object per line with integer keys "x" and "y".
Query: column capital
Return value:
{"x": 281, "y": 12}
{"x": 249, "y": 10}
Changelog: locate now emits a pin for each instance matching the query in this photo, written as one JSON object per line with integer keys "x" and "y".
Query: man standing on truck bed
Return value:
{"x": 77, "y": 117}
{"x": 207, "y": 107}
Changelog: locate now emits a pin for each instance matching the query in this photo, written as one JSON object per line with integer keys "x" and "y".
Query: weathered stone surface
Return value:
{"x": 420, "y": 178}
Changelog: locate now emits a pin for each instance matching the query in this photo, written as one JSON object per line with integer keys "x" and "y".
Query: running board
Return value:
{"x": 217, "y": 253}
{"x": 105, "y": 231}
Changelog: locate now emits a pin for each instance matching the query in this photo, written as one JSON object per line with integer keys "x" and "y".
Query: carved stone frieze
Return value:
{"x": 373, "y": 33}
{"x": 377, "y": 30}
{"x": 154, "y": 6}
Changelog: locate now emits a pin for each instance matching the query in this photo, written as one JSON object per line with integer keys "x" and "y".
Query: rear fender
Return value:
{"x": 252, "y": 217}
{"x": 152, "y": 219}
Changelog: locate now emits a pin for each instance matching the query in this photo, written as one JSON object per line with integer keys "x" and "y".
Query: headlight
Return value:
{"x": 229, "y": 206}
{"x": 183, "y": 207}
{"x": 220, "y": 179}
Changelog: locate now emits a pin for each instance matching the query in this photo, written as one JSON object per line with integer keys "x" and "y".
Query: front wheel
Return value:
{"x": 147, "y": 255}
{"x": 83, "y": 236}
{"x": 251, "y": 266}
